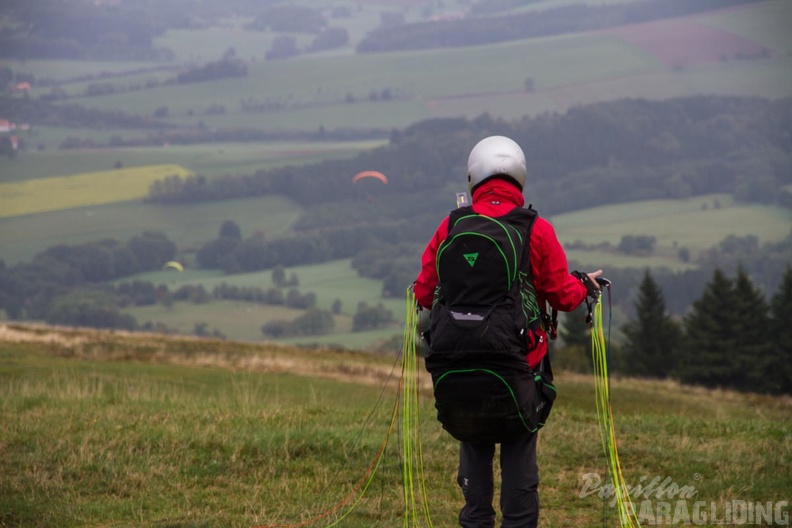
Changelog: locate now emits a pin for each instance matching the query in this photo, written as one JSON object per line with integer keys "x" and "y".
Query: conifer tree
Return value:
{"x": 778, "y": 370}
{"x": 653, "y": 338}
{"x": 575, "y": 355}
{"x": 574, "y": 330}
{"x": 708, "y": 350}
{"x": 750, "y": 333}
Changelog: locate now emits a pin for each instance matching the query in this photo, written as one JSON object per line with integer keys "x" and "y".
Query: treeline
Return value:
{"x": 732, "y": 337}
{"x": 395, "y": 265}
{"x": 70, "y": 285}
{"x": 87, "y": 30}
{"x": 597, "y": 154}
{"x": 233, "y": 254}
{"x": 765, "y": 263}
{"x": 289, "y": 19}
{"x": 488, "y": 29}
{"x": 42, "y": 112}
{"x": 74, "y": 29}
{"x": 28, "y": 289}
{"x": 99, "y": 306}
{"x": 223, "y": 69}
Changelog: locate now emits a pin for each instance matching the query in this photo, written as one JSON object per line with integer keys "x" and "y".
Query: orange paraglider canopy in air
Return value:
{"x": 370, "y": 174}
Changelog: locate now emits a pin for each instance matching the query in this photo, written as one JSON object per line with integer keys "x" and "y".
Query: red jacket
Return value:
{"x": 552, "y": 280}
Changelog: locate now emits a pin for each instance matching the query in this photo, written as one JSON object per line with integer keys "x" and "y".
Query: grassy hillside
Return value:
{"x": 106, "y": 429}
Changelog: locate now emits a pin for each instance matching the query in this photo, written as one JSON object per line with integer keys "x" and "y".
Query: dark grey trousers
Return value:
{"x": 519, "y": 500}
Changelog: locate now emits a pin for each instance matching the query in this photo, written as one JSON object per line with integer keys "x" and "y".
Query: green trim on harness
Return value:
{"x": 510, "y": 270}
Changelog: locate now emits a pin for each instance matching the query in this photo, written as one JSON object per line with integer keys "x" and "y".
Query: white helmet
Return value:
{"x": 493, "y": 156}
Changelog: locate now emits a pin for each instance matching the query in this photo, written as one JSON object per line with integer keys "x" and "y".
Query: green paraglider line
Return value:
{"x": 406, "y": 413}
{"x": 600, "y": 355}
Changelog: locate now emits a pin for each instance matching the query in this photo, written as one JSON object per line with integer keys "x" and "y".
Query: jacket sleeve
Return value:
{"x": 427, "y": 279}
{"x": 552, "y": 279}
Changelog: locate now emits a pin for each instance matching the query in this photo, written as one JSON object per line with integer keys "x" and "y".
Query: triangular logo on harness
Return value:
{"x": 471, "y": 258}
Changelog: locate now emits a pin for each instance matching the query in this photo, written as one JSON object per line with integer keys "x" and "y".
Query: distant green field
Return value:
{"x": 417, "y": 75}
{"x": 126, "y": 81}
{"x": 189, "y": 226}
{"x": 329, "y": 281}
{"x": 211, "y": 44}
{"x": 237, "y": 320}
{"x": 363, "y": 114}
{"x": 309, "y": 92}
{"x": 608, "y": 260}
{"x": 208, "y": 159}
{"x": 242, "y": 321}
{"x": 694, "y": 222}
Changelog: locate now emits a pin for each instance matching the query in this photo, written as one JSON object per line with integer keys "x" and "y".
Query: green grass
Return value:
{"x": 104, "y": 429}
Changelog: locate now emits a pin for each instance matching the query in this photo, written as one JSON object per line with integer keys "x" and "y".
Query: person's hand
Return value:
{"x": 593, "y": 276}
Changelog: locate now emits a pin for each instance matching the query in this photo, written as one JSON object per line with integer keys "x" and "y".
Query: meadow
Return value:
{"x": 107, "y": 429}
{"x": 189, "y": 226}
{"x": 81, "y": 190}
{"x": 715, "y": 217}
{"x": 330, "y": 281}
